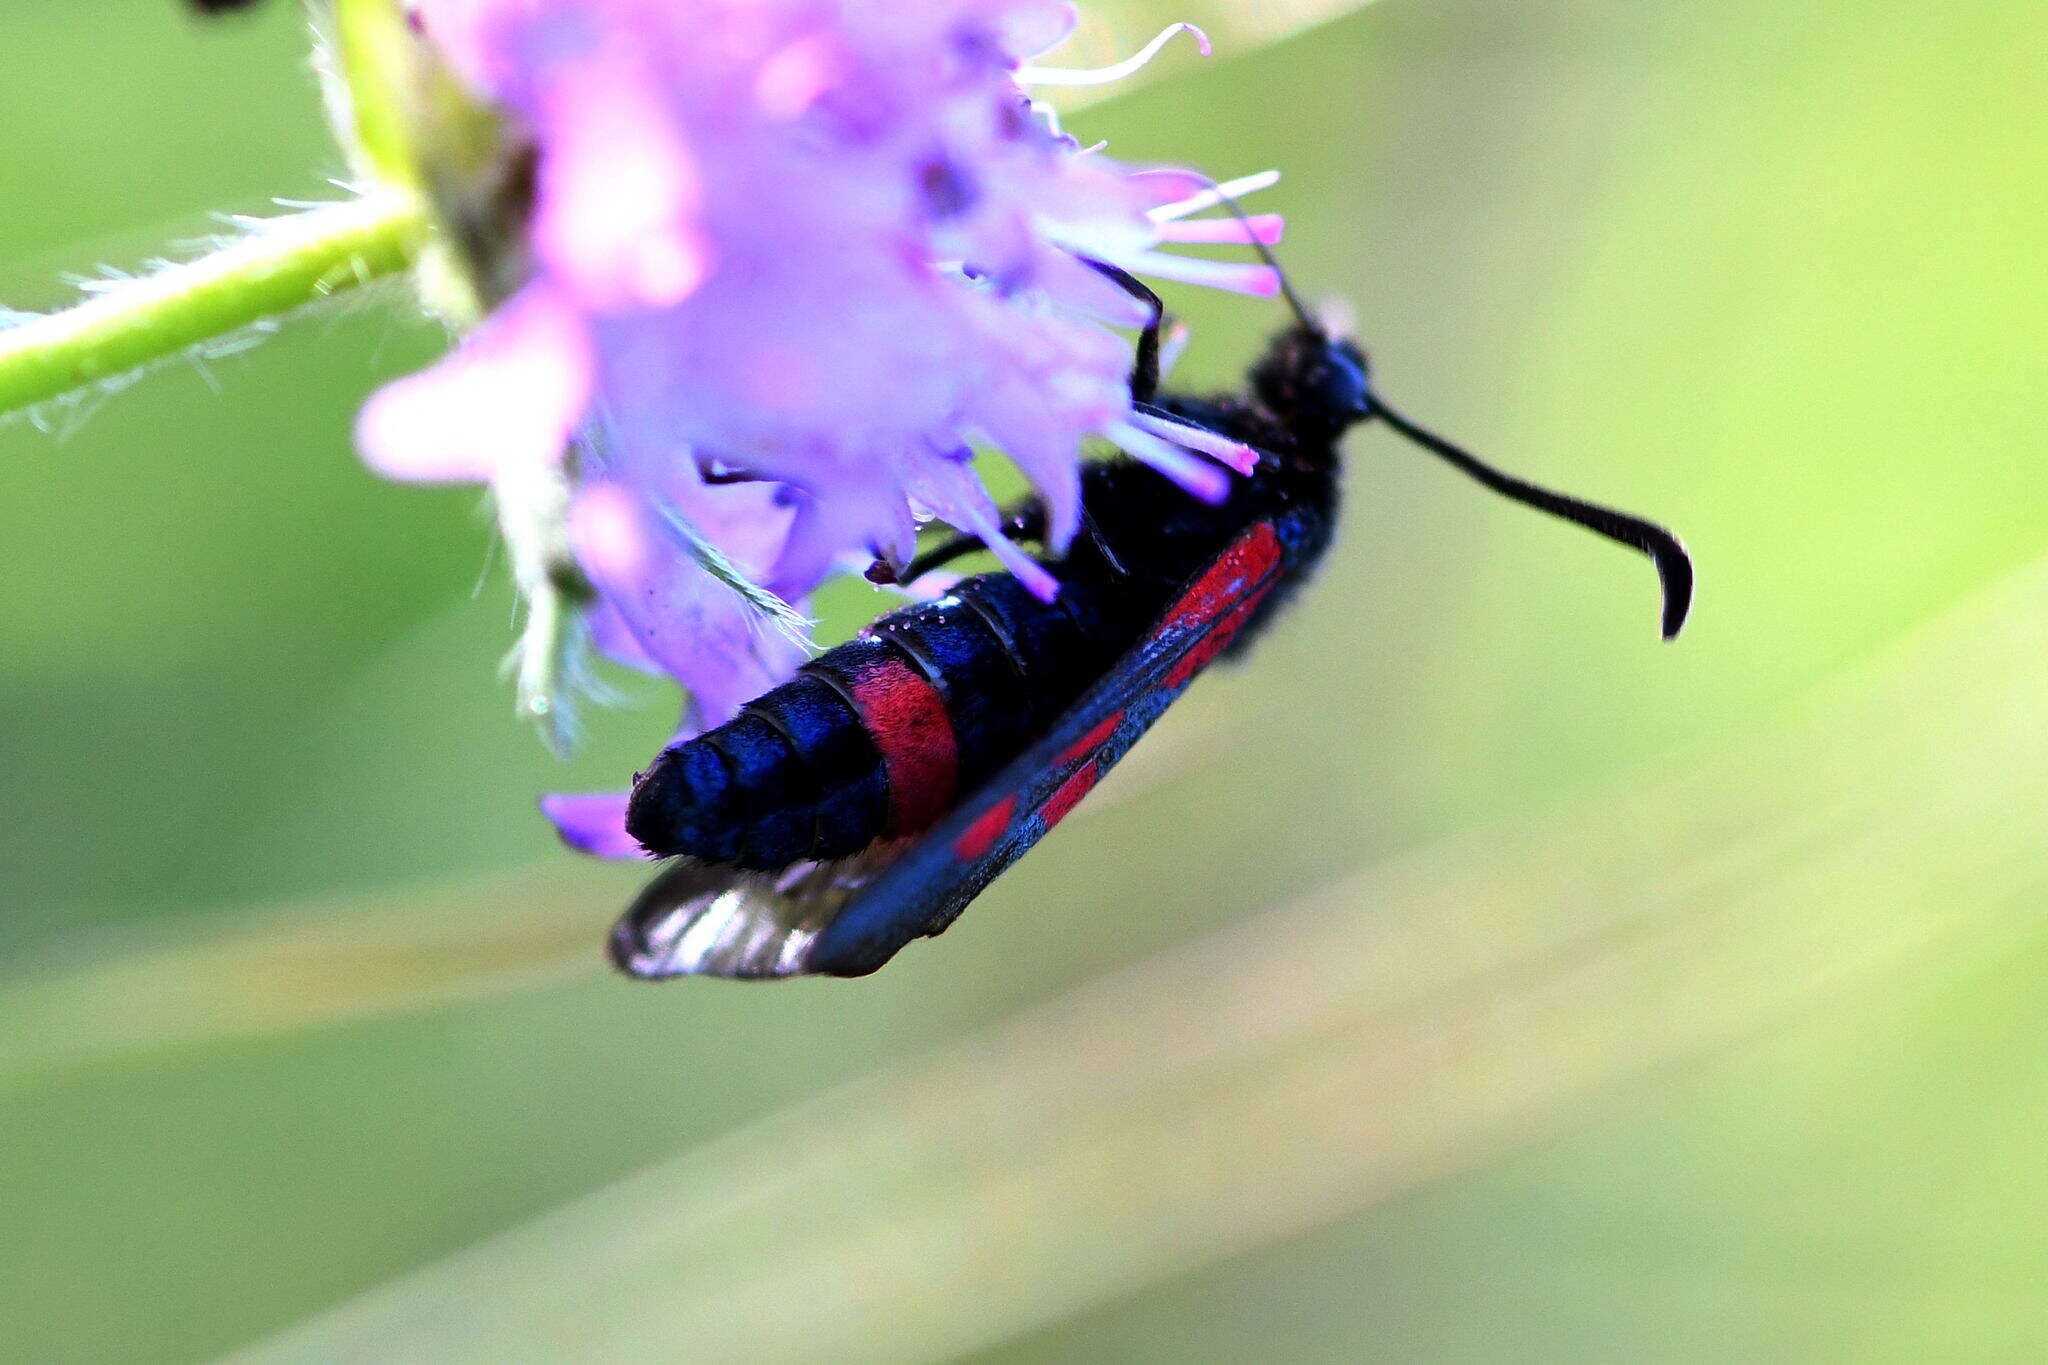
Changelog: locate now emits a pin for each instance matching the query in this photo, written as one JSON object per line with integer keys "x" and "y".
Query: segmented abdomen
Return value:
{"x": 880, "y": 736}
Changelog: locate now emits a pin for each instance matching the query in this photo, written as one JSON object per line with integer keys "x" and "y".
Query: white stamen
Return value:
{"x": 1171, "y": 349}
{"x": 1216, "y": 194}
{"x": 1103, "y": 75}
{"x": 1199, "y": 478}
{"x": 1264, "y": 228}
{"x": 1234, "y": 276}
{"x": 1234, "y": 454}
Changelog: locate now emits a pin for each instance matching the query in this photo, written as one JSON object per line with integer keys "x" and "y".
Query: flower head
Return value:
{"x": 786, "y": 265}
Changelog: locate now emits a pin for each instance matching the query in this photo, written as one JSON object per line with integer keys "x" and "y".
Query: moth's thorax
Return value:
{"x": 1313, "y": 387}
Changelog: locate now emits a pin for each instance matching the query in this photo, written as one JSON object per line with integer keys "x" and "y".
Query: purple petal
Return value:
{"x": 506, "y": 398}
{"x": 612, "y": 535}
{"x": 688, "y": 624}
{"x": 1035, "y": 577}
{"x": 827, "y": 529}
{"x": 618, "y": 191}
{"x": 930, "y": 586}
{"x": 593, "y": 823}
{"x": 1078, "y": 286}
{"x": 615, "y": 639}
{"x": 795, "y": 77}
{"x": 1264, "y": 228}
{"x": 1163, "y": 189}
{"x": 1040, "y": 448}
{"x": 1027, "y": 30}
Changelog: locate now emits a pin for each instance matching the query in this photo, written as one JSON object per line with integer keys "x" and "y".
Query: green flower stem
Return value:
{"x": 283, "y": 265}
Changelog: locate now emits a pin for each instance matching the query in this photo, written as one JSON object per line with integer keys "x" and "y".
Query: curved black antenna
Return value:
{"x": 1294, "y": 302}
{"x": 1665, "y": 550}
{"x": 1674, "y": 565}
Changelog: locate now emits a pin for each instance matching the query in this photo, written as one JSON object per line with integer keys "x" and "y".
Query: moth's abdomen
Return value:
{"x": 881, "y": 736}
{"x": 793, "y": 772}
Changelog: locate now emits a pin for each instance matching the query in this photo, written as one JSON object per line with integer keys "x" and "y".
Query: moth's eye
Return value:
{"x": 1351, "y": 356}
{"x": 1342, "y": 378}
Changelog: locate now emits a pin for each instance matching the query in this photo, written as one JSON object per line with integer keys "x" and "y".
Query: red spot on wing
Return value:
{"x": 1248, "y": 562}
{"x": 1223, "y": 599}
{"x": 978, "y": 838}
{"x": 1090, "y": 742}
{"x": 981, "y": 836}
{"x": 1216, "y": 641}
{"x": 1068, "y": 794}
{"x": 906, "y": 718}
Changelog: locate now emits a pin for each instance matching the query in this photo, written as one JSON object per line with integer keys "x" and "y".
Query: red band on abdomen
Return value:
{"x": 906, "y": 718}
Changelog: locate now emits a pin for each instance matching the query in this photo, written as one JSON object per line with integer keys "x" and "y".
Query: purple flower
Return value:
{"x": 788, "y": 264}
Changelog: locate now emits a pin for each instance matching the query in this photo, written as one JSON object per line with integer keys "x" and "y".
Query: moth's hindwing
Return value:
{"x": 703, "y": 919}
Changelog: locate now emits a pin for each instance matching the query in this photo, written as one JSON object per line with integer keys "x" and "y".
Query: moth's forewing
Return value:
{"x": 926, "y": 887}
{"x": 847, "y": 918}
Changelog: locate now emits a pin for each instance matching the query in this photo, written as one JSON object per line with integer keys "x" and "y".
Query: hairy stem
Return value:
{"x": 283, "y": 265}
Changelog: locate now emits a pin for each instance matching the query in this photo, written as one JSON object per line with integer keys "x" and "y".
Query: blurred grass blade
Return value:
{"x": 1316, "y": 1059}
{"x": 287, "y": 967}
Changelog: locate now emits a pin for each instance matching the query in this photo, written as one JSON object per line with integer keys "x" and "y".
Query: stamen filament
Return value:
{"x": 1265, "y": 228}
{"x": 1216, "y": 194}
{"x": 1198, "y": 477}
{"x": 1237, "y": 277}
{"x": 1104, "y": 75}
{"x": 1232, "y": 454}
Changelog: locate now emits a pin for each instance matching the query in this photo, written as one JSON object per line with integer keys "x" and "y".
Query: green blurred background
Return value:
{"x": 1467, "y": 976}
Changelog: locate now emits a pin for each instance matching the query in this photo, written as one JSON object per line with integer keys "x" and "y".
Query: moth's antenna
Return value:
{"x": 1229, "y": 201}
{"x": 1674, "y": 565}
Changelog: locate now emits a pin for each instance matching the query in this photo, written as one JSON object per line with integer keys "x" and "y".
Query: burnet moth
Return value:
{"x": 866, "y": 801}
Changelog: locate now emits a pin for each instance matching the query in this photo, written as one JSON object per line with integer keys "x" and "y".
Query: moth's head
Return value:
{"x": 1315, "y": 382}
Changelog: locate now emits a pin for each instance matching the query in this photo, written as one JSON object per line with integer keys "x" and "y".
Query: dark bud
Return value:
{"x": 220, "y": 6}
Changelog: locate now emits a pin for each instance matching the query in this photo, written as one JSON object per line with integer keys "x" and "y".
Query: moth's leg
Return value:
{"x": 1094, "y": 530}
{"x": 1026, "y": 521}
{"x": 1145, "y": 366}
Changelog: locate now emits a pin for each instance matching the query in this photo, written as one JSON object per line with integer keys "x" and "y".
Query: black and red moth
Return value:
{"x": 866, "y": 801}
